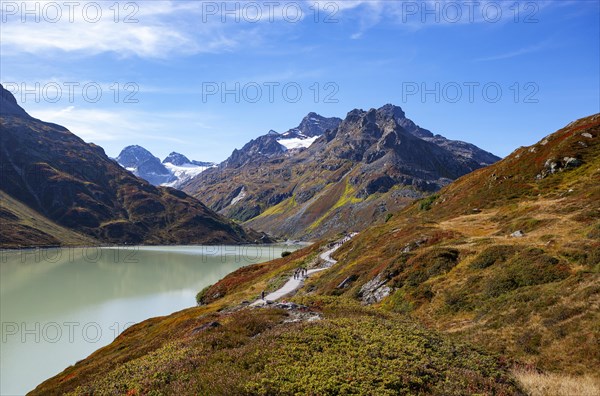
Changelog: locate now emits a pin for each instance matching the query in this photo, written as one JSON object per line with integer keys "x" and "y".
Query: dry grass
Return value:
{"x": 538, "y": 384}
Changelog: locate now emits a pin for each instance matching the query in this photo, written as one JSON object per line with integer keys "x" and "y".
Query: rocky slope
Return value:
{"x": 76, "y": 186}
{"x": 368, "y": 165}
{"x": 507, "y": 257}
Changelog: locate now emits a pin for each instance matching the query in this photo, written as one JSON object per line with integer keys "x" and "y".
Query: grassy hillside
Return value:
{"x": 446, "y": 297}
{"x": 451, "y": 261}
{"x": 270, "y": 351}
{"x": 23, "y": 226}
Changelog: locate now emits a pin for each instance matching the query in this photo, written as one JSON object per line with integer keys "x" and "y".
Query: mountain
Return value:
{"x": 181, "y": 160}
{"x": 304, "y": 135}
{"x": 64, "y": 183}
{"x": 173, "y": 171}
{"x": 466, "y": 150}
{"x": 275, "y": 144}
{"x": 488, "y": 286}
{"x": 351, "y": 175}
{"x": 143, "y": 164}
{"x": 176, "y": 159}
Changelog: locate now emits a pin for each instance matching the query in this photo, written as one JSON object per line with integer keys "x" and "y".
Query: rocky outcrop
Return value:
{"x": 374, "y": 290}
{"x": 552, "y": 166}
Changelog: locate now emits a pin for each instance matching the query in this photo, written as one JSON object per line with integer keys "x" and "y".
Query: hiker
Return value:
{"x": 262, "y": 295}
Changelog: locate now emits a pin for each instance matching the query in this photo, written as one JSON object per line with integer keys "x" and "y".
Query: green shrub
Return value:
{"x": 431, "y": 263}
{"x": 457, "y": 300}
{"x": 425, "y": 203}
{"x": 361, "y": 352}
{"x": 285, "y": 253}
{"x": 530, "y": 341}
{"x": 528, "y": 268}
{"x": 201, "y": 294}
{"x": 492, "y": 255}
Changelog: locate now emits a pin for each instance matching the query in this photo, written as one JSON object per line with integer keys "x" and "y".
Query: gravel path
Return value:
{"x": 294, "y": 283}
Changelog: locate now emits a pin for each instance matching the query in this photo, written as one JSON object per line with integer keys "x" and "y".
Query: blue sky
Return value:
{"x": 443, "y": 62}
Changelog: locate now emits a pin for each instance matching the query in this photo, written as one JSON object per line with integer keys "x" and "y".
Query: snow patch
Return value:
{"x": 296, "y": 143}
{"x": 183, "y": 173}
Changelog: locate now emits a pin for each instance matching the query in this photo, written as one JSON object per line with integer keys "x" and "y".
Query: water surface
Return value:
{"x": 59, "y": 305}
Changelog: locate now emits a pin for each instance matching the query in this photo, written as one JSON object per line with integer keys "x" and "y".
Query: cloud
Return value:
{"x": 98, "y": 125}
{"x": 146, "y": 29}
{"x": 150, "y": 29}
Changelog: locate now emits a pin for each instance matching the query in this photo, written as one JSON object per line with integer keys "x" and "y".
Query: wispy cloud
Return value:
{"x": 98, "y": 125}
{"x": 515, "y": 53}
{"x": 150, "y": 29}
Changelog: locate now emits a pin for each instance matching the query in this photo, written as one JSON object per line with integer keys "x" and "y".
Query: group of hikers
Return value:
{"x": 300, "y": 273}
{"x": 341, "y": 241}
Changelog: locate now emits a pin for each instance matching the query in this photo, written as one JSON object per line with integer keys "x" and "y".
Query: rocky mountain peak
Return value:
{"x": 176, "y": 159}
{"x": 314, "y": 124}
{"x": 465, "y": 150}
{"x": 142, "y": 163}
{"x": 392, "y": 111}
{"x": 132, "y": 156}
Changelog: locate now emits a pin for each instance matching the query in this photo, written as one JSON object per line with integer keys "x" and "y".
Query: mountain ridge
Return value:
{"x": 349, "y": 175}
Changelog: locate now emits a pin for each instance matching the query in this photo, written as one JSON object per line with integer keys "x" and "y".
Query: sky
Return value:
{"x": 204, "y": 77}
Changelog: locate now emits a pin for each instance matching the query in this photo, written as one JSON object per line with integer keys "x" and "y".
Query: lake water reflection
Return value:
{"x": 59, "y": 305}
